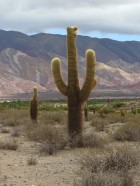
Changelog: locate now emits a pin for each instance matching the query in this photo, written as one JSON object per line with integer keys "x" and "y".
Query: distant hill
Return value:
{"x": 25, "y": 61}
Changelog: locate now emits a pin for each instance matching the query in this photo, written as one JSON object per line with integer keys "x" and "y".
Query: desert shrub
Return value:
{"x": 88, "y": 140}
{"x": 51, "y": 138}
{"x": 52, "y": 106}
{"x": 121, "y": 158}
{"x": 56, "y": 139}
{"x": 138, "y": 110}
{"x": 14, "y": 117}
{"x": 15, "y": 104}
{"x": 113, "y": 118}
{"x": 37, "y": 132}
{"x": 108, "y": 110}
{"x": 91, "y": 108}
{"x": 55, "y": 117}
{"x": 15, "y": 132}
{"x": 118, "y": 104}
{"x": 93, "y": 140}
{"x": 108, "y": 168}
{"x": 32, "y": 161}
{"x": 90, "y": 116}
{"x": 8, "y": 144}
{"x": 105, "y": 179}
{"x": 130, "y": 131}
{"x": 4, "y": 130}
{"x": 99, "y": 123}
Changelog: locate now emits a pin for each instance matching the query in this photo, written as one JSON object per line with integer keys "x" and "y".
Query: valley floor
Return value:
{"x": 60, "y": 169}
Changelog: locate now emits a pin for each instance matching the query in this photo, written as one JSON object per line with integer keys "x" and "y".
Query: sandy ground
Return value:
{"x": 60, "y": 169}
{"x": 53, "y": 170}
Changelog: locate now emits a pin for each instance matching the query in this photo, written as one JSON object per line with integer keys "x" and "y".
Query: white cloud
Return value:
{"x": 105, "y": 16}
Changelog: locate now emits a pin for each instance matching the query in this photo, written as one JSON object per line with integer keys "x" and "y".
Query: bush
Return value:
{"x": 105, "y": 179}
{"x": 108, "y": 168}
{"x": 14, "y": 117}
{"x": 32, "y": 161}
{"x": 55, "y": 140}
{"x": 129, "y": 131}
{"x": 108, "y": 110}
{"x": 99, "y": 123}
{"x": 15, "y": 132}
{"x": 88, "y": 140}
{"x": 55, "y": 117}
{"x": 118, "y": 105}
{"x": 52, "y": 139}
{"x": 8, "y": 144}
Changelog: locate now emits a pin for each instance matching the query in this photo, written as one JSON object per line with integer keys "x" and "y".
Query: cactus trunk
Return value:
{"x": 34, "y": 106}
{"x": 74, "y": 117}
{"x": 76, "y": 96}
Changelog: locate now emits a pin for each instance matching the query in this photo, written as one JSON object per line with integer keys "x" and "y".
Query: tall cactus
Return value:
{"x": 76, "y": 96}
{"x": 34, "y": 105}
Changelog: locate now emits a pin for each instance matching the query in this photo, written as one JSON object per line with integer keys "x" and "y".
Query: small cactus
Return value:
{"x": 86, "y": 112}
{"x": 101, "y": 111}
{"x": 34, "y": 105}
{"x": 94, "y": 110}
{"x": 133, "y": 111}
{"x": 122, "y": 112}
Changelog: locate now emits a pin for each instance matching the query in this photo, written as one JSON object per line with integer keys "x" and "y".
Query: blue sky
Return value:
{"x": 115, "y": 19}
{"x": 114, "y": 36}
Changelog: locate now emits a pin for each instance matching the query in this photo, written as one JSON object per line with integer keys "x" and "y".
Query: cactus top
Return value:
{"x": 71, "y": 31}
{"x": 35, "y": 91}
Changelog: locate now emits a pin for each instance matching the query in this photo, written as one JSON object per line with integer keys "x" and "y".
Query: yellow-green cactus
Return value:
{"x": 122, "y": 112}
{"x": 76, "y": 96}
{"x": 34, "y": 105}
{"x": 101, "y": 111}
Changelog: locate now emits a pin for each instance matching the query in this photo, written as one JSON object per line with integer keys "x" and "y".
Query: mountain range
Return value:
{"x": 25, "y": 61}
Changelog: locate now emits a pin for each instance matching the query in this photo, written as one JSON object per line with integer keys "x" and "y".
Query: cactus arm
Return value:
{"x": 73, "y": 80}
{"x": 90, "y": 80}
{"x": 56, "y": 70}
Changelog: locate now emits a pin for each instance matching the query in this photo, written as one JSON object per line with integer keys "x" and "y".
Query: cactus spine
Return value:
{"x": 34, "y": 105}
{"x": 76, "y": 96}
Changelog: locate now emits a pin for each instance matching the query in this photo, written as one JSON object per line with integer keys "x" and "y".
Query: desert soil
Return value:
{"x": 60, "y": 169}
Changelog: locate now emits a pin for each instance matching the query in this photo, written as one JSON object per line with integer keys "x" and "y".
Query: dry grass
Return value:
{"x": 8, "y": 144}
{"x": 14, "y": 117}
{"x": 55, "y": 117}
{"x": 105, "y": 179}
{"x": 15, "y": 132}
{"x": 108, "y": 168}
{"x": 130, "y": 131}
{"x": 4, "y": 130}
{"x": 88, "y": 140}
{"x": 56, "y": 139}
{"x": 113, "y": 118}
{"x": 99, "y": 123}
